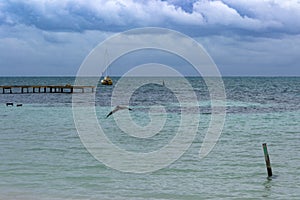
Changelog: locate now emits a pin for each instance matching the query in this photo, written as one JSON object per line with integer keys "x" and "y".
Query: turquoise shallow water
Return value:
{"x": 42, "y": 156}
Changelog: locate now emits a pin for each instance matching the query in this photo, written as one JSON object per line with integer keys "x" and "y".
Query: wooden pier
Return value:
{"x": 20, "y": 89}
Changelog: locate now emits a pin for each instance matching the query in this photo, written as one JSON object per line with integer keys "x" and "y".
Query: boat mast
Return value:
{"x": 106, "y": 62}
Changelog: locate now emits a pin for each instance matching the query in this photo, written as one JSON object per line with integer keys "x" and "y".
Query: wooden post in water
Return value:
{"x": 267, "y": 158}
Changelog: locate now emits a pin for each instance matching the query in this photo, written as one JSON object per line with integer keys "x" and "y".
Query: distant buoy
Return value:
{"x": 9, "y": 104}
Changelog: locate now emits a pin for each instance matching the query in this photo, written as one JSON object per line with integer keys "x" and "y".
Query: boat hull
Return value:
{"x": 106, "y": 81}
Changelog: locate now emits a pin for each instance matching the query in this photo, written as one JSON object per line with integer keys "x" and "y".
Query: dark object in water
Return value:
{"x": 267, "y": 159}
{"x": 9, "y": 104}
{"x": 206, "y": 113}
{"x": 19, "y": 105}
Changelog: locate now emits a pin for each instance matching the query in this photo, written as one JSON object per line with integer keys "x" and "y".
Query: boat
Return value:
{"x": 106, "y": 81}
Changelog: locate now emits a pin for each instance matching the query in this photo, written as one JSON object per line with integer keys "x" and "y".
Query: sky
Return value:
{"x": 243, "y": 37}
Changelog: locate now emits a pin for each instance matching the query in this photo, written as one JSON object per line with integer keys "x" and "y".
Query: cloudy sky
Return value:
{"x": 244, "y": 37}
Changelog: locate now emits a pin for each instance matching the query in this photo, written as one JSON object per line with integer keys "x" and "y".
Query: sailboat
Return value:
{"x": 106, "y": 80}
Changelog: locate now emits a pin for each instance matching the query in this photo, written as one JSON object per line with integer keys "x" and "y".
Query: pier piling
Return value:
{"x": 267, "y": 159}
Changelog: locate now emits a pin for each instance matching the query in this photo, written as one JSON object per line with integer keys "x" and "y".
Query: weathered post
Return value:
{"x": 267, "y": 158}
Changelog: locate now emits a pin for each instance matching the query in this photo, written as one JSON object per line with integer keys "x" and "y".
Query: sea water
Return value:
{"x": 42, "y": 156}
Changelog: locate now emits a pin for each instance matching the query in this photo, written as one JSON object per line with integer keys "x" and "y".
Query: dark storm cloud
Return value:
{"x": 202, "y": 17}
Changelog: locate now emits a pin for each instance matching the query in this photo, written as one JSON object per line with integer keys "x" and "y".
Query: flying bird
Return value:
{"x": 117, "y": 108}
